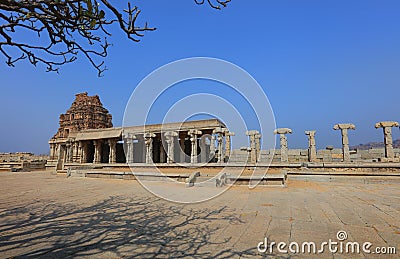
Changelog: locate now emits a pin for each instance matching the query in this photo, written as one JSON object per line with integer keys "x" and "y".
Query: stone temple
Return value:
{"x": 86, "y": 136}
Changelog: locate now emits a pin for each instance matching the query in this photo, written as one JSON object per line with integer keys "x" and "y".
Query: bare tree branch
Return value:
{"x": 62, "y": 29}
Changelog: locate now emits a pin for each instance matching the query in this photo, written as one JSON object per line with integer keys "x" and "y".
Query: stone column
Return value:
{"x": 203, "y": 147}
{"x": 283, "y": 141}
{"x": 75, "y": 152}
{"x": 257, "y": 138}
{"x": 193, "y": 139}
{"x": 312, "y": 150}
{"x": 345, "y": 138}
{"x": 254, "y": 146}
{"x": 387, "y": 136}
{"x": 81, "y": 152}
{"x": 163, "y": 152}
{"x": 170, "y": 137}
{"x": 52, "y": 151}
{"x": 212, "y": 148}
{"x": 69, "y": 154}
{"x": 228, "y": 136}
{"x": 128, "y": 139}
{"x": 97, "y": 151}
{"x": 149, "y": 147}
{"x": 220, "y": 139}
{"x": 182, "y": 154}
{"x": 112, "y": 157}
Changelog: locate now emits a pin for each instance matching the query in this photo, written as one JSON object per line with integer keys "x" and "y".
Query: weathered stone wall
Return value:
{"x": 323, "y": 155}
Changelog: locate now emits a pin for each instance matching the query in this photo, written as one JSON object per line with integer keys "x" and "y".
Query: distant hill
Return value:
{"x": 369, "y": 145}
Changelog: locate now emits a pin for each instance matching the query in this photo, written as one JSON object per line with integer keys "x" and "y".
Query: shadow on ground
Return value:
{"x": 117, "y": 227}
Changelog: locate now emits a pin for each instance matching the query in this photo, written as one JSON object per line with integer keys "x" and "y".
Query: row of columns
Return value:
{"x": 343, "y": 127}
{"x": 171, "y": 139}
{"x": 76, "y": 151}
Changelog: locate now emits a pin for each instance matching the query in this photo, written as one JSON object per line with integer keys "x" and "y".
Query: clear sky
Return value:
{"x": 319, "y": 62}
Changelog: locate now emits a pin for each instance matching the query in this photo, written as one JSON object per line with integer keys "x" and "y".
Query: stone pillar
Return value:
{"x": 212, "y": 148}
{"x": 81, "y": 152}
{"x": 69, "y": 151}
{"x": 387, "y": 136}
{"x": 149, "y": 147}
{"x": 52, "y": 151}
{"x": 170, "y": 137}
{"x": 182, "y": 154}
{"x": 312, "y": 150}
{"x": 257, "y": 138}
{"x": 128, "y": 139}
{"x": 112, "y": 157}
{"x": 193, "y": 139}
{"x": 345, "y": 139}
{"x": 283, "y": 141}
{"x": 203, "y": 147}
{"x": 75, "y": 152}
{"x": 220, "y": 141}
{"x": 163, "y": 151}
{"x": 97, "y": 151}
{"x": 254, "y": 138}
{"x": 228, "y": 136}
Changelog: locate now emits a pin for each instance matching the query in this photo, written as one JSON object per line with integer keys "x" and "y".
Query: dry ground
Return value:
{"x": 52, "y": 216}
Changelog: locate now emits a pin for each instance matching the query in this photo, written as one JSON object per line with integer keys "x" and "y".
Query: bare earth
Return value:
{"x": 53, "y": 216}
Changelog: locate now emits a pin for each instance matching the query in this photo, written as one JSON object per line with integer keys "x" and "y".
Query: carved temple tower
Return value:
{"x": 86, "y": 112}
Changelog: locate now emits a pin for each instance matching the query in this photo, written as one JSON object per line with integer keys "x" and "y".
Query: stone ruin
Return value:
{"x": 86, "y": 136}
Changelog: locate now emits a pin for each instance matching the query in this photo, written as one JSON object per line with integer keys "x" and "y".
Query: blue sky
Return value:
{"x": 319, "y": 63}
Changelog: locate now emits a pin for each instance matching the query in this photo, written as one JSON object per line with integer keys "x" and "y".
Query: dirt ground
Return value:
{"x": 45, "y": 215}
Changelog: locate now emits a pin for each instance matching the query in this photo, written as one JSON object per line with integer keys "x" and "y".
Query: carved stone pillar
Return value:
{"x": 69, "y": 150}
{"x": 81, "y": 152}
{"x": 220, "y": 141}
{"x": 257, "y": 139}
{"x": 129, "y": 153}
{"x": 170, "y": 138}
{"x": 312, "y": 150}
{"x": 345, "y": 139}
{"x": 52, "y": 151}
{"x": 212, "y": 148}
{"x": 112, "y": 156}
{"x": 387, "y": 136}
{"x": 228, "y": 136}
{"x": 97, "y": 151}
{"x": 182, "y": 154}
{"x": 283, "y": 141}
{"x": 75, "y": 152}
{"x": 203, "y": 148}
{"x": 193, "y": 139}
{"x": 254, "y": 138}
{"x": 149, "y": 147}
